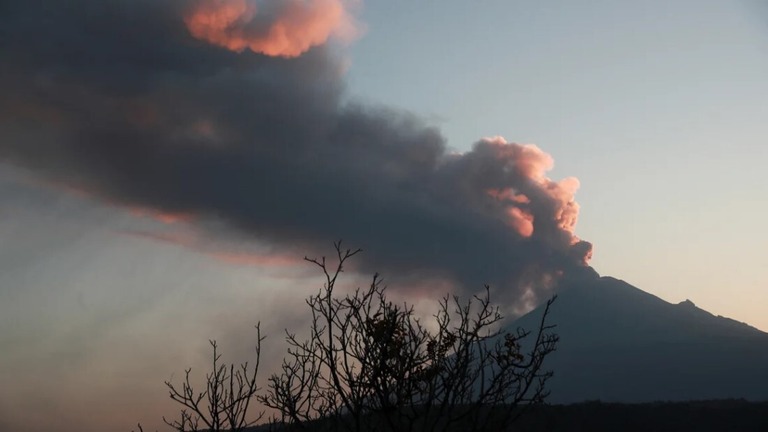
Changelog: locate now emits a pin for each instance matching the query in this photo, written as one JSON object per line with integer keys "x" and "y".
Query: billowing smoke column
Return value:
{"x": 234, "y": 110}
{"x": 288, "y": 29}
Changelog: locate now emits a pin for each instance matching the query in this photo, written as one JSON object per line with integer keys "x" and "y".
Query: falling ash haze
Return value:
{"x": 236, "y": 110}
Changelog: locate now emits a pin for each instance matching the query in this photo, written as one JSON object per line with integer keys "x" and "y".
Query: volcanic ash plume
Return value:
{"x": 196, "y": 109}
{"x": 285, "y": 28}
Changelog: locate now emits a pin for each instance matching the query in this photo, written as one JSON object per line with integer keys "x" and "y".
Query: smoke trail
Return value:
{"x": 145, "y": 103}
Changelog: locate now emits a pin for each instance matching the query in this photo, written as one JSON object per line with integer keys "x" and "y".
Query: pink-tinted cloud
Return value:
{"x": 280, "y": 28}
{"x": 159, "y": 216}
{"x": 508, "y": 195}
{"x": 521, "y": 221}
{"x": 533, "y": 199}
{"x": 527, "y": 159}
{"x": 165, "y": 217}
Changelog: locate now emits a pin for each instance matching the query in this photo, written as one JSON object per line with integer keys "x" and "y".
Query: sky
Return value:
{"x": 162, "y": 174}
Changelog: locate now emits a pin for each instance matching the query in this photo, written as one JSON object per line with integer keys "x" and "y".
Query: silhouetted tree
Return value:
{"x": 225, "y": 402}
{"x": 369, "y": 364}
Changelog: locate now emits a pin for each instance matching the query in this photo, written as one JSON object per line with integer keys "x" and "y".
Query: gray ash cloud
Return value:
{"x": 117, "y": 98}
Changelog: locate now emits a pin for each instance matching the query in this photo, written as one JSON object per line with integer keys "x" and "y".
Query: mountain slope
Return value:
{"x": 621, "y": 344}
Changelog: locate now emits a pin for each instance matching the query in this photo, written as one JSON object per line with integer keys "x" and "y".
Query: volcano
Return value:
{"x": 621, "y": 344}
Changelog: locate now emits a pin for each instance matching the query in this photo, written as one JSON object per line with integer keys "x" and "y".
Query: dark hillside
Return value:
{"x": 700, "y": 416}
{"x": 729, "y": 415}
{"x": 621, "y": 344}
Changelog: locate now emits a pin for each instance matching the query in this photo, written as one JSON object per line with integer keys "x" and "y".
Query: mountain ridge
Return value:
{"x": 619, "y": 343}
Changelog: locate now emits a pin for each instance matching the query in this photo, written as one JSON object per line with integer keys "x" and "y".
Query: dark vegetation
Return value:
{"x": 701, "y": 416}
{"x": 368, "y": 364}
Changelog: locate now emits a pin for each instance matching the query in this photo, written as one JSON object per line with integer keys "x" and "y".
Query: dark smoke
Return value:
{"x": 117, "y": 98}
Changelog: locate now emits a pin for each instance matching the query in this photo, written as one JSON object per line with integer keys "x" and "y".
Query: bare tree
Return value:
{"x": 370, "y": 364}
{"x": 225, "y": 402}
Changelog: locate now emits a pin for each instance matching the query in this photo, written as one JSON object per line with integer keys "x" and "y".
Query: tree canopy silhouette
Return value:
{"x": 369, "y": 364}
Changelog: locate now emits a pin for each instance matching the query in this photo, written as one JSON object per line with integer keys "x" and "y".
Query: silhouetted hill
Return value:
{"x": 705, "y": 416}
{"x": 621, "y": 344}
{"x": 701, "y": 416}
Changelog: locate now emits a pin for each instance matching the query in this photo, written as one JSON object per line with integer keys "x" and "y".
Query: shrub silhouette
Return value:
{"x": 369, "y": 364}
